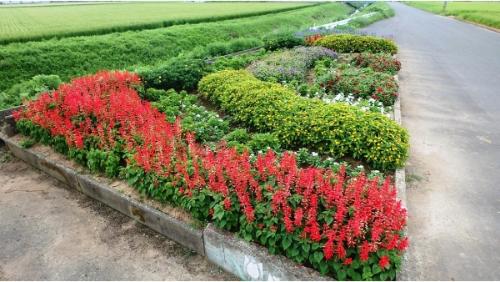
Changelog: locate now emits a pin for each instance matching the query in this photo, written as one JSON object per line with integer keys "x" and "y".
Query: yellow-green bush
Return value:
{"x": 337, "y": 129}
{"x": 349, "y": 43}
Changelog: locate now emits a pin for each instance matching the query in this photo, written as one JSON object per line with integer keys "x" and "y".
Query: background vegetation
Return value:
{"x": 75, "y": 56}
{"x": 487, "y": 13}
{"x": 27, "y": 23}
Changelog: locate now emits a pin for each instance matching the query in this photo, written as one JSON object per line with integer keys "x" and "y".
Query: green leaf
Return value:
{"x": 306, "y": 247}
{"x": 367, "y": 272}
{"x": 376, "y": 269}
{"x": 286, "y": 242}
{"x": 323, "y": 268}
{"x": 318, "y": 256}
{"x": 341, "y": 275}
{"x": 355, "y": 264}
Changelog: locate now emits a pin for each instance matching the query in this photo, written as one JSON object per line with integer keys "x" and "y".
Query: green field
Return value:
{"x": 486, "y": 13}
{"x": 43, "y": 21}
{"x": 73, "y": 56}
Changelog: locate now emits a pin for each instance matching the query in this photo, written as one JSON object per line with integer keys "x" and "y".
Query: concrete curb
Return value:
{"x": 250, "y": 261}
{"x": 400, "y": 176}
{"x": 400, "y": 182}
{"x": 164, "y": 224}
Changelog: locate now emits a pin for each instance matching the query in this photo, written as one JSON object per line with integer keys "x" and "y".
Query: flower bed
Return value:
{"x": 290, "y": 64}
{"x": 360, "y": 82}
{"x": 346, "y": 227}
{"x": 337, "y": 129}
{"x": 379, "y": 62}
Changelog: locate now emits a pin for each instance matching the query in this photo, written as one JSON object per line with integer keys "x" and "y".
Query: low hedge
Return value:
{"x": 337, "y": 129}
{"x": 282, "y": 39}
{"x": 178, "y": 73}
{"x": 343, "y": 226}
{"x": 349, "y": 43}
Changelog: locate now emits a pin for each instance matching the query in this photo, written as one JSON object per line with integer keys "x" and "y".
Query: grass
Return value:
{"x": 37, "y": 22}
{"x": 376, "y": 12}
{"x": 73, "y": 56}
{"x": 486, "y": 13}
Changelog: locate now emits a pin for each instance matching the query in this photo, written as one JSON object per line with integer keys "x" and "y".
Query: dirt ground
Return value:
{"x": 50, "y": 232}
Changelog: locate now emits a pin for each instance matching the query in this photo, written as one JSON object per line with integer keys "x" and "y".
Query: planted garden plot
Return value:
{"x": 266, "y": 153}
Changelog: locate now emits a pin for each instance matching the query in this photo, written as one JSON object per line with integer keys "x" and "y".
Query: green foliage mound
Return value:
{"x": 337, "y": 129}
{"x": 349, "y": 43}
{"x": 28, "y": 89}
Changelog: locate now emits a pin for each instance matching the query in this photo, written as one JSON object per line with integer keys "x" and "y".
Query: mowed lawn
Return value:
{"x": 40, "y": 21}
{"x": 487, "y": 13}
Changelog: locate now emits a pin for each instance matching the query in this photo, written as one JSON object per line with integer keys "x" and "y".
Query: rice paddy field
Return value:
{"x": 79, "y": 55}
{"x": 486, "y": 13}
{"x": 24, "y": 23}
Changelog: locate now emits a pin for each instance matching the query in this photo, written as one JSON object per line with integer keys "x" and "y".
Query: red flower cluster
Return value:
{"x": 313, "y": 38}
{"x": 105, "y": 107}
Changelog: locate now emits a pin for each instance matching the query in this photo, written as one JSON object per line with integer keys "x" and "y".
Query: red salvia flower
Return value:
{"x": 384, "y": 262}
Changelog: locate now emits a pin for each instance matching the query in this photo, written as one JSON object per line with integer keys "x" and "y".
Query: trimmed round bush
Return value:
{"x": 178, "y": 74}
{"x": 337, "y": 129}
{"x": 349, "y": 43}
{"x": 287, "y": 39}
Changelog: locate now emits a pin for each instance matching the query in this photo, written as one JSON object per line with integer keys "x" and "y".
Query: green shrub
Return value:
{"x": 239, "y": 135}
{"x": 178, "y": 73}
{"x": 283, "y": 39}
{"x": 235, "y": 62}
{"x": 207, "y": 125}
{"x": 349, "y": 43}
{"x": 28, "y": 90}
{"x": 263, "y": 142}
{"x": 337, "y": 129}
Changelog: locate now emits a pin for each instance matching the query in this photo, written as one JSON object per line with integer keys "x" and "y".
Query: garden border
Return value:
{"x": 248, "y": 261}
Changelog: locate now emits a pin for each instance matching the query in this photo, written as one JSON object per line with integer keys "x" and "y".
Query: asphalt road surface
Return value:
{"x": 450, "y": 95}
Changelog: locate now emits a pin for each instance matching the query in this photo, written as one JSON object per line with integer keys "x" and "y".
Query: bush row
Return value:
{"x": 342, "y": 226}
{"x": 184, "y": 71}
{"x": 337, "y": 129}
{"x": 349, "y": 43}
{"x": 289, "y": 65}
{"x": 69, "y": 57}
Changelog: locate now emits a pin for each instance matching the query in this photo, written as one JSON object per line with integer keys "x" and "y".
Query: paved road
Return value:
{"x": 450, "y": 94}
{"x": 50, "y": 232}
